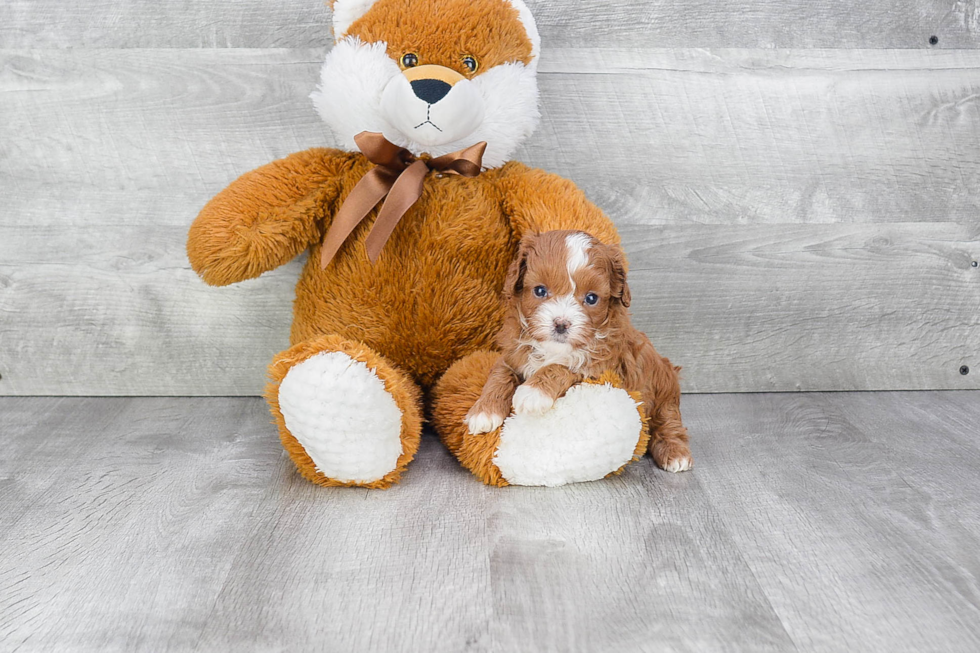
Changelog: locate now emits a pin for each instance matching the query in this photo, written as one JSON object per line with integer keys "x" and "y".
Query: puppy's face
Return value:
{"x": 566, "y": 288}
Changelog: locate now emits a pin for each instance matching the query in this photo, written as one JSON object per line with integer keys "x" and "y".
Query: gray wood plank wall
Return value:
{"x": 798, "y": 184}
{"x": 635, "y": 23}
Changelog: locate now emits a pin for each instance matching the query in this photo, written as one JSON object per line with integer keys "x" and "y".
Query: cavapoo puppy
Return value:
{"x": 567, "y": 319}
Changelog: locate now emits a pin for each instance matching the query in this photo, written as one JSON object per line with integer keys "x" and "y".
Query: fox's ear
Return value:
{"x": 345, "y": 12}
{"x": 530, "y": 27}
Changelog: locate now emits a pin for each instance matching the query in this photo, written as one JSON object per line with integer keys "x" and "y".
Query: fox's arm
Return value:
{"x": 267, "y": 216}
{"x": 537, "y": 201}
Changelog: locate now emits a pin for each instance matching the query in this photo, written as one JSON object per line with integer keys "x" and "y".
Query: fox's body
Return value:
{"x": 432, "y": 77}
{"x": 432, "y": 296}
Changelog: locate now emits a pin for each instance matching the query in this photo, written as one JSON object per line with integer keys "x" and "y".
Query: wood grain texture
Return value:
{"x": 145, "y": 24}
{"x": 796, "y": 220}
{"x": 810, "y": 307}
{"x": 127, "y": 517}
{"x": 639, "y": 562}
{"x": 847, "y": 506}
{"x": 736, "y": 137}
{"x": 402, "y": 569}
{"x": 812, "y": 522}
{"x": 562, "y": 23}
{"x": 728, "y": 137}
{"x": 793, "y": 307}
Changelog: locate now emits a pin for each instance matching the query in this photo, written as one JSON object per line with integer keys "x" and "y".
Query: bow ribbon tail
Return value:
{"x": 406, "y": 190}
{"x": 366, "y": 194}
{"x": 382, "y": 152}
{"x": 467, "y": 163}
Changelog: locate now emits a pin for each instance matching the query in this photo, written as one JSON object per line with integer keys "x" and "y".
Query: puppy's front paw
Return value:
{"x": 672, "y": 456}
{"x": 483, "y": 422}
{"x": 530, "y": 400}
{"x": 682, "y": 464}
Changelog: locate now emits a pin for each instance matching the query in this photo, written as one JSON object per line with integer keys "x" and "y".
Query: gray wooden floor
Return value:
{"x": 812, "y": 522}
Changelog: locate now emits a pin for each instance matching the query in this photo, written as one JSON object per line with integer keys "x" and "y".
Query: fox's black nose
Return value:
{"x": 430, "y": 90}
{"x": 561, "y": 327}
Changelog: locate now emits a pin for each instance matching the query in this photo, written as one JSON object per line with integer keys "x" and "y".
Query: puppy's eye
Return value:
{"x": 592, "y": 299}
{"x": 540, "y": 291}
{"x": 410, "y": 60}
{"x": 470, "y": 63}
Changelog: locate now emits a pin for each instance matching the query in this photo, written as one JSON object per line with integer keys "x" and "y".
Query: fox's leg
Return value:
{"x": 594, "y": 430}
{"x": 346, "y": 416}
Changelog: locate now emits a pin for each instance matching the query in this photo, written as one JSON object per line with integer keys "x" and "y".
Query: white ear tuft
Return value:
{"x": 530, "y": 27}
{"x": 345, "y": 12}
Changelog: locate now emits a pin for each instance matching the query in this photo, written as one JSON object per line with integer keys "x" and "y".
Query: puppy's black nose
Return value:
{"x": 561, "y": 327}
{"x": 430, "y": 90}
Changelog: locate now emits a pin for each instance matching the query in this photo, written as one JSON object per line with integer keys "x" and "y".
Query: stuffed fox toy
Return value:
{"x": 411, "y": 227}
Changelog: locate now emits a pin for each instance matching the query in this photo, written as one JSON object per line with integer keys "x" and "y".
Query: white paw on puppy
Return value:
{"x": 528, "y": 400}
{"x": 483, "y": 422}
{"x": 682, "y": 464}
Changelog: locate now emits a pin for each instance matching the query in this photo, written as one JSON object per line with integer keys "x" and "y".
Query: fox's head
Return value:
{"x": 432, "y": 75}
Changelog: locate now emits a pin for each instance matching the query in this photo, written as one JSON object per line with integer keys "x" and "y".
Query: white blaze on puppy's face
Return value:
{"x": 562, "y": 319}
{"x": 559, "y": 329}
{"x": 578, "y": 245}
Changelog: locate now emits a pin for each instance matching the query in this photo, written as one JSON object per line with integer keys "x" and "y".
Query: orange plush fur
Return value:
{"x": 405, "y": 392}
{"x": 490, "y": 32}
{"x": 433, "y": 296}
{"x": 460, "y": 388}
{"x": 454, "y": 244}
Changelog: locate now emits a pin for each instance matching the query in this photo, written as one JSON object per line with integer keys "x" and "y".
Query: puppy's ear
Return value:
{"x": 514, "y": 285}
{"x": 620, "y": 289}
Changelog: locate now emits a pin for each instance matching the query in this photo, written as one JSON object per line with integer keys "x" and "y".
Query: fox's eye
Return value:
{"x": 592, "y": 299}
{"x": 470, "y": 63}
{"x": 540, "y": 291}
{"x": 410, "y": 60}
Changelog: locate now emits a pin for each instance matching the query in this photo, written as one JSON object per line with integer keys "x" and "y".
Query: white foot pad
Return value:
{"x": 340, "y": 412}
{"x": 591, "y": 431}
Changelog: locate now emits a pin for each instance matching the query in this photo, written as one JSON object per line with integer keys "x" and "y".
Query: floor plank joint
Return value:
{"x": 812, "y": 522}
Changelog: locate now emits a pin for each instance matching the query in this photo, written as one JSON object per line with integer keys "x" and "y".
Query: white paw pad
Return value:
{"x": 339, "y": 410}
{"x": 528, "y": 400}
{"x": 681, "y": 464}
{"x": 483, "y": 423}
{"x": 590, "y": 432}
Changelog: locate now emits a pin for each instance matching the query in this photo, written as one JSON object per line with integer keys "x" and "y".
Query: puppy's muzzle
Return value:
{"x": 431, "y": 83}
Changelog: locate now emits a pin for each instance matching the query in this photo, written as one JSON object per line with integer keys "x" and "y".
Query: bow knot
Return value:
{"x": 398, "y": 174}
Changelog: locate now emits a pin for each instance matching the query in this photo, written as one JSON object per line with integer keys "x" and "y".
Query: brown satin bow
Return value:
{"x": 397, "y": 174}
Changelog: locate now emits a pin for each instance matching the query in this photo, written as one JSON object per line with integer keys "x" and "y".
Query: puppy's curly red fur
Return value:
{"x": 567, "y": 318}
